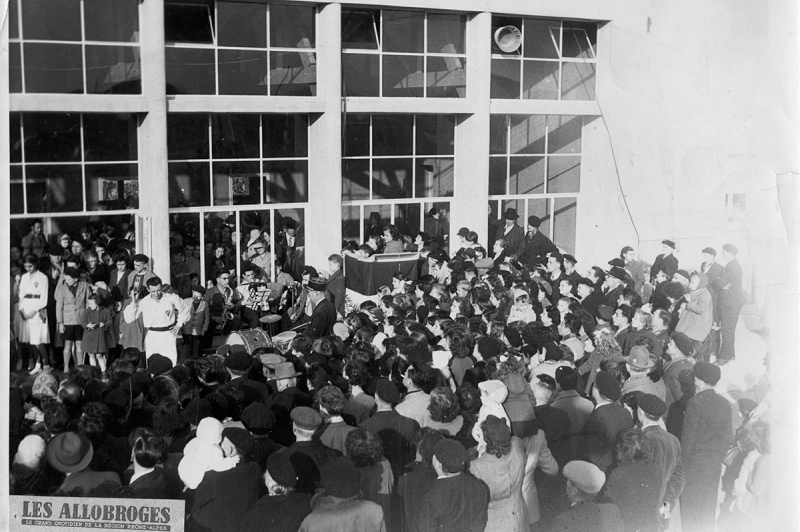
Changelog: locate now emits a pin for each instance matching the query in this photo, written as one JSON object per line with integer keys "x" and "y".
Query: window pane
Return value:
{"x": 52, "y": 137}
{"x": 434, "y": 178}
{"x": 540, "y": 81}
{"x": 498, "y": 171}
{"x": 499, "y": 22}
{"x": 14, "y": 67}
{"x": 403, "y": 31}
{"x": 53, "y": 68}
{"x": 392, "y": 134}
{"x": 112, "y": 187}
{"x": 53, "y": 188}
{"x": 51, "y": 20}
{"x": 435, "y": 134}
{"x": 580, "y": 39}
{"x": 291, "y": 26}
{"x": 293, "y": 258}
{"x": 188, "y": 23}
{"x": 13, "y": 18}
{"x": 287, "y": 181}
{"x": 406, "y": 218}
{"x": 360, "y": 74}
{"x": 285, "y": 136}
{"x": 242, "y": 72}
{"x": 577, "y": 81}
{"x": 111, "y": 20}
{"x": 113, "y": 70}
{"x": 541, "y": 38}
{"x": 446, "y": 33}
{"x": 360, "y": 29}
{"x": 540, "y": 208}
{"x": 565, "y": 218}
{"x": 391, "y": 178}
{"x": 498, "y": 134}
{"x": 356, "y": 135}
{"x": 242, "y": 24}
{"x": 526, "y": 175}
{"x": 14, "y": 138}
{"x": 527, "y": 134}
{"x": 564, "y": 134}
{"x": 402, "y": 76}
{"x": 447, "y": 77}
{"x": 355, "y": 179}
{"x": 16, "y": 201}
{"x": 237, "y": 183}
{"x": 351, "y": 223}
{"x": 505, "y": 79}
{"x": 187, "y": 136}
{"x": 188, "y": 185}
{"x": 234, "y": 136}
{"x": 190, "y": 71}
{"x": 563, "y": 174}
{"x": 109, "y": 137}
{"x": 293, "y": 74}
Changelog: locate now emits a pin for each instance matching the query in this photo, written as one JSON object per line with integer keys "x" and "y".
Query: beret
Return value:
{"x": 619, "y": 263}
{"x": 200, "y": 289}
{"x": 238, "y": 359}
{"x": 710, "y": 251}
{"x": 586, "y": 281}
{"x": 652, "y": 405}
{"x": 241, "y": 438}
{"x": 306, "y": 418}
{"x": 451, "y": 454}
{"x": 281, "y": 470}
{"x": 684, "y": 273}
{"x": 586, "y": 476}
{"x": 607, "y": 385}
{"x": 708, "y": 373}
{"x": 534, "y": 221}
{"x": 340, "y": 478}
{"x": 158, "y": 364}
{"x": 683, "y": 343}
{"x": 730, "y": 248}
{"x": 570, "y": 258}
{"x": 669, "y": 243}
{"x": 463, "y": 231}
{"x": 141, "y": 257}
{"x": 258, "y": 418}
{"x": 386, "y": 390}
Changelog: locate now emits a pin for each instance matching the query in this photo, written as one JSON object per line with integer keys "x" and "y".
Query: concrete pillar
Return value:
{"x": 153, "y": 186}
{"x": 471, "y": 194}
{"x": 323, "y": 216}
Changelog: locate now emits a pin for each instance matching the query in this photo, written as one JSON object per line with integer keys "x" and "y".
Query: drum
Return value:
{"x": 251, "y": 339}
{"x": 284, "y": 340}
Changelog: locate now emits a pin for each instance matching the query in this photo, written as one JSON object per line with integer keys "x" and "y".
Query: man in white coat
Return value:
{"x": 163, "y": 316}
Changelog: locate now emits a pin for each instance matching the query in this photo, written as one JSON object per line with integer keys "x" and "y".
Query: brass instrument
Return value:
{"x": 226, "y": 315}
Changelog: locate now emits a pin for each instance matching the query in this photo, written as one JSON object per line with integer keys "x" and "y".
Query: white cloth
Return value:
{"x": 167, "y": 311}
{"x": 34, "y": 330}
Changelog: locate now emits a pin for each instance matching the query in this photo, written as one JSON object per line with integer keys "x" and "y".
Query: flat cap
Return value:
{"x": 708, "y": 373}
{"x": 607, "y": 385}
{"x": 281, "y": 470}
{"x": 710, "y": 251}
{"x": 238, "y": 359}
{"x": 652, "y": 405}
{"x": 241, "y": 438}
{"x": 306, "y": 418}
{"x": 451, "y": 454}
{"x": 258, "y": 418}
{"x": 730, "y": 248}
{"x": 158, "y": 364}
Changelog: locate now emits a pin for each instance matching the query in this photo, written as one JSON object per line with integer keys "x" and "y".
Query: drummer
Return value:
{"x": 254, "y": 293}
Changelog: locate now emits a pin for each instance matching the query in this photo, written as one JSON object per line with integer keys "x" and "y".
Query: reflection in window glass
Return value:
{"x": 564, "y": 134}
{"x": 563, "y": 174}
{"x": 580, "y": 40}
{"x": 242, "y": 24}
{"x": 15, "y": 138}
{"x": 403, "y": 31}
{"x": 540, "y": 80}
{"x": 13, "y": 18}
{"x": 188, "y": 23}
{"x": 235, "y": 136}
{"x": 528, "y": 133}
{"x": 392, "y": 178}
{"x": 360, "y": 29}
{"x": 112, "y": 187}
{"x": 52, "y": 188}
{"x": 237, "y": 183}
{"x": 505, "y": 79}
{"x": 242, "y": 72}
{"x": 109, "y": 137}
{"x": 285, "y": 135}
{"x": 356, "y": 137}
{"x": 190, "y": 71}
{"x": 51, "y": 20}
{"x": 53, "y": 68}
{"x": 111, "y": 20}
{"x": 287, "y": 181}
{"x": 435, "y": 135}
{"x": 293, "y": 74}
{"x": 542, "y": 39}
{"x": 434, "y": 178}
{"x": 392, "y": 134}
{"x": 14, "y": 67}
{"x": 526, "y": 175}
{"x": 565, "y": 218}
{"x": 113, "y": 70}
{"x": 361, "y": 75}
{"x": 402, "y": 76}
{"x": 188, "y": 184}
{"x": 291, "y": 26}
{"x": 498, "y": 175}
{"x": 577, "y": 81}
{"x": 446, "y": 33}
{"x": 52, "y": 137}
{"x": 187, "y": 136}
{"x": 355, "y": 179}
{"x": 16, "y": 203}
{"x": 447, "y": 77}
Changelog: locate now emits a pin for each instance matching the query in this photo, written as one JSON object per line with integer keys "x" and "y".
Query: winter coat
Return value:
{"x": 504, "y": 477}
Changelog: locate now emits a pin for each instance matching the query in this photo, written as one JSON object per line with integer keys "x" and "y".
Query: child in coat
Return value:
{"x": 95, "y": 321}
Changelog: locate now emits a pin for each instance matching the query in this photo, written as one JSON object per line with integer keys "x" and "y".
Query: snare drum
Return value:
{"x": 283, "y": 340}
{"x": 251, "y": 339}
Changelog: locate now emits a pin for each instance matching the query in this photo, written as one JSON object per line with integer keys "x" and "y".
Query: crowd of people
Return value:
{"x": 492, "y": 389}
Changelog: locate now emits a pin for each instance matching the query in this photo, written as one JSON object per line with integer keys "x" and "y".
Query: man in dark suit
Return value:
{"x": 335, "y": 290}
{"x": 308, "y": 455}
{"x": 324, "y": 316}
{"x": 584, "y": 482}
{"x": 511, "y": 233}
{"x": 589, "y": 299}
{"x": 615, "y": 281}
{"x": 666, "y": 261}
{"x": 536, "y": 245}
{"x": 730, "y": 298}
{"x": 712, "y": 270}
{"x": 605, "y": 422}
{"x": 707, "y": 434}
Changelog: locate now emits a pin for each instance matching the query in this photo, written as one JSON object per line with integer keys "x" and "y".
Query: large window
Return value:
{"x": 237, "y": 159}
{"x": 535, "y": 168}
{"x": 240, "y": 48}
{"x": 62, "y": 162}
{"x": 403, "y": 53}
{"x": 400, "y": 166}
{"x": 539, "y": 59}
{"x": 74, "y": 46}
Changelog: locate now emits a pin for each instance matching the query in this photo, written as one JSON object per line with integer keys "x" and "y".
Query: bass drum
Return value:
{"x": 251, "y": 339}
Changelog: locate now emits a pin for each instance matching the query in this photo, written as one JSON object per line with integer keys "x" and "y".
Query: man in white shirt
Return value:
{"x": 163, "y": 316}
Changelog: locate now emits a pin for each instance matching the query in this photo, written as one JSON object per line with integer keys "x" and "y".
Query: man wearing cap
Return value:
{"x": 163, "y": 316}
{"x": 666, "y": 261}
{"x": 513, "y": 234}
{"x": 666, "y": 455}
{"x": 707, "y": 435}
{"x": 197, "y": 325}
{"x": 71, "y": 453}
{"x": 680, "y": 349}
{"x": 614, "y": 286}
{"x": 282, "y": 509}
{"x": 307, "y": 454}
{"x": 605, "y": 422}
{"x": 137, "y": 279}
{"x": 259, "y": 419}
{"x": 238, "y": 364}
{"x": 731, "y": 299}
{"x": 588, "y": 298}
{"x": 640, "y": 363}
{"x": 584, "y": 482}
{"x": 536, "y": 244}
{"x": 324, "y": 315}
{"x": 396, "y": 431}
{"x": 457, "y": 501}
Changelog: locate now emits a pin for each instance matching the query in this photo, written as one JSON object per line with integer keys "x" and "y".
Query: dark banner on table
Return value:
{"x": 40, "y": 514}
{"x": 365, "y": 277}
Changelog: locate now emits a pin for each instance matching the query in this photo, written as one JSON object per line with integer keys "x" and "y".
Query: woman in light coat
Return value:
{"x": 698, "y": 314}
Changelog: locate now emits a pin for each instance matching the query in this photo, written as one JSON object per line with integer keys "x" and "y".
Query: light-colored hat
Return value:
{"x": 586, "y": 476}
{"x": 30, "y": 451}
{"x": 495, "y": 389}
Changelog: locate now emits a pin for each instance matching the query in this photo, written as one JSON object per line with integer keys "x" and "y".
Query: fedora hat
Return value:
{"x": 69, "y": 452}
{"x": 510, "y": 214}
{"x": 640, "y": 358}
{"x": 284, "y": 370}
